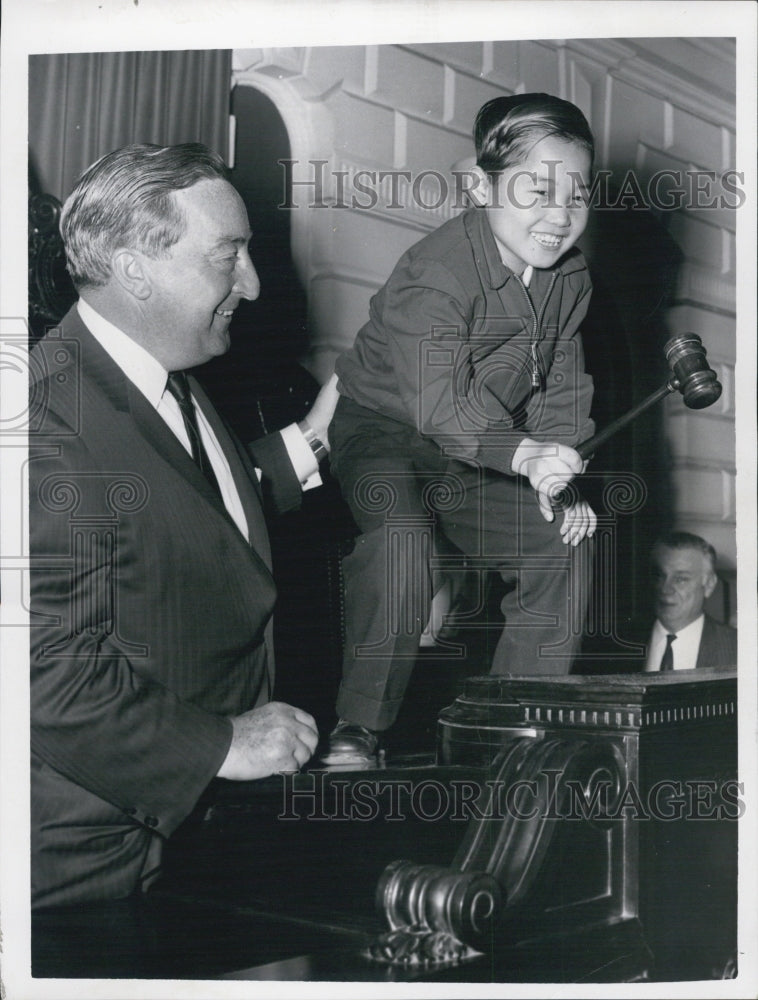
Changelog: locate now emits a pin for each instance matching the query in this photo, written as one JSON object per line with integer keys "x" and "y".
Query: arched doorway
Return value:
{"x": 260, "y": 387}
{"x": 634, "y": 264}
{"x": 268, "y": 335}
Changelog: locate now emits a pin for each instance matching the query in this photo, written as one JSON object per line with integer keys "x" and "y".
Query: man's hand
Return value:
{"x": 321, "y": 413}
{"x": 549, "y": 467}
{"x": 266, "y": 740}
{"x": 579, "y": 521}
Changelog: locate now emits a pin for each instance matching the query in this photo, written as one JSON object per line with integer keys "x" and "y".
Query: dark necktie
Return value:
{"x": 178, "y": 386}
{"x": 667, "y": 660}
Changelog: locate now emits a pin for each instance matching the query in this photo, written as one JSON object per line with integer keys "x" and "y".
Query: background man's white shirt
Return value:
{"x": 684, "y": 649}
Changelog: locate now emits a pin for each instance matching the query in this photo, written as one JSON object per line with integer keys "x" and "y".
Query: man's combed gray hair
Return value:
{"x": 126, "y": 199}
{"x": 686, "y": 540}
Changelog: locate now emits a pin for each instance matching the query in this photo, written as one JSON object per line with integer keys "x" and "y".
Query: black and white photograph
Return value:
{"x": 378, "y": 536}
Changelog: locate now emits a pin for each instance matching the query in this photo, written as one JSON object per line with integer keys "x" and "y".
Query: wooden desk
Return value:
{"x": 666, "y": 747}
{"x": 277, "y": 879}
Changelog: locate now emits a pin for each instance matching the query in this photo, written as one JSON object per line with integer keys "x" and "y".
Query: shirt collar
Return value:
{"x": 682, "y": 633}
{"x": 139, "y": 366}
{"x": 487, "y": 255}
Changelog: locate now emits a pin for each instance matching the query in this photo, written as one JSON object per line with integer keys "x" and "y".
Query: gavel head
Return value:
{"x": 693, "y": 377}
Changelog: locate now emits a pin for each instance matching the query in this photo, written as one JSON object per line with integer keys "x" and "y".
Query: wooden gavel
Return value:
{"x": 690, "y": 374}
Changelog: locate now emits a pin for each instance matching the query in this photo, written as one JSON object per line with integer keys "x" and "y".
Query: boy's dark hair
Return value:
{"x": 507, "y": 127}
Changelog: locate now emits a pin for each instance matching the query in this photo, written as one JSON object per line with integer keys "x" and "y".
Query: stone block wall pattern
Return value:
{"x": 654, "y": 104}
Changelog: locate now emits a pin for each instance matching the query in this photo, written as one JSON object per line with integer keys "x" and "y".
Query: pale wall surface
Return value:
{"x": 653, "y": 104}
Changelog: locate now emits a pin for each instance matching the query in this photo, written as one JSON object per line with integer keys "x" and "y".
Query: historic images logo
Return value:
{"x": 312, "y": 797}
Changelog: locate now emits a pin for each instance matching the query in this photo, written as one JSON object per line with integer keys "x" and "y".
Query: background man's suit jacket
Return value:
{"x": 150, "y": 618}
{"x": 717, "y": 651}
{"x": 718, "y": 646}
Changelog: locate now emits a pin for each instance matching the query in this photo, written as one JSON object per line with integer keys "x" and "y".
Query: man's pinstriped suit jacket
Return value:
{"x": 150, "y": 618}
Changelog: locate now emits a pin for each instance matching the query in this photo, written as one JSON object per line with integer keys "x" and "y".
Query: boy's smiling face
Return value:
{"x": 537, "y": 208}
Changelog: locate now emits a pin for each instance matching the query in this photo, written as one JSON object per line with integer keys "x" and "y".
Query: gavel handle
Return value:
{"x": 588, "y": 447}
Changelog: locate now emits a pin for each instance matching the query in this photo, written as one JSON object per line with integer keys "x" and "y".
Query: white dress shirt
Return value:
{"x": 149, "y": 376}
{"x": 684, "y": 649}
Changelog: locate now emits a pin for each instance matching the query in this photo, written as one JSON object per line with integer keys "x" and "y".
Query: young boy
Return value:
{"x": 465, "y": 387}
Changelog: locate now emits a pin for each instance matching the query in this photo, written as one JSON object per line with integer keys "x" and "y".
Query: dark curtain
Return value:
{"x": 84, "y": 105}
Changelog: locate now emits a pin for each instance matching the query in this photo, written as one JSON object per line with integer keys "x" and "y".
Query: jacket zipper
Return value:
{"x": 536, "y": 372}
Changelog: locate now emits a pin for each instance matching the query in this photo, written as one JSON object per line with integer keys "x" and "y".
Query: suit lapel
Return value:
{"x": 148, "y": 435}
{"x": 127, "y": 398}
{"x": 242, "y": 472}
{"x": 706, "y": 653}
{"x": 248, "y": 489}
{"x": 158, "y": 434}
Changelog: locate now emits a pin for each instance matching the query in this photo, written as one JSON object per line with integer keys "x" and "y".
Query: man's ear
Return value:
{"x": 709, "y": 584}
{"x": 129, "y": 271}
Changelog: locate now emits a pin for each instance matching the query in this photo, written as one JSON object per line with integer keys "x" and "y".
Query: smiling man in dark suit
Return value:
{"x": 683, "y": 636}
{"x": 151, "y": 587}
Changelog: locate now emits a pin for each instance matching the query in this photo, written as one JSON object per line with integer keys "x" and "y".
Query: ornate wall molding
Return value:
{"x": 629, "y": 63}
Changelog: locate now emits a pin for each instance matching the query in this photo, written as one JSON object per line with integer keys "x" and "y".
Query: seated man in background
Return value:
{"x": 683, "y": 636}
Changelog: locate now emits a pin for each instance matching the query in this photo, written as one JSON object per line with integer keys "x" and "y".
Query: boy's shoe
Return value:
{"x": 350, "y": 743}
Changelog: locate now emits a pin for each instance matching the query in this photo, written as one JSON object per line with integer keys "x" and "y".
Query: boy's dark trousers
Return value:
{"x": 403, "y": 492}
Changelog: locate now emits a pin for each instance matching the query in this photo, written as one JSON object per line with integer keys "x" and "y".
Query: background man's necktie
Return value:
{"x": 667, "y": 660}
{"x": 178, "y": 386}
